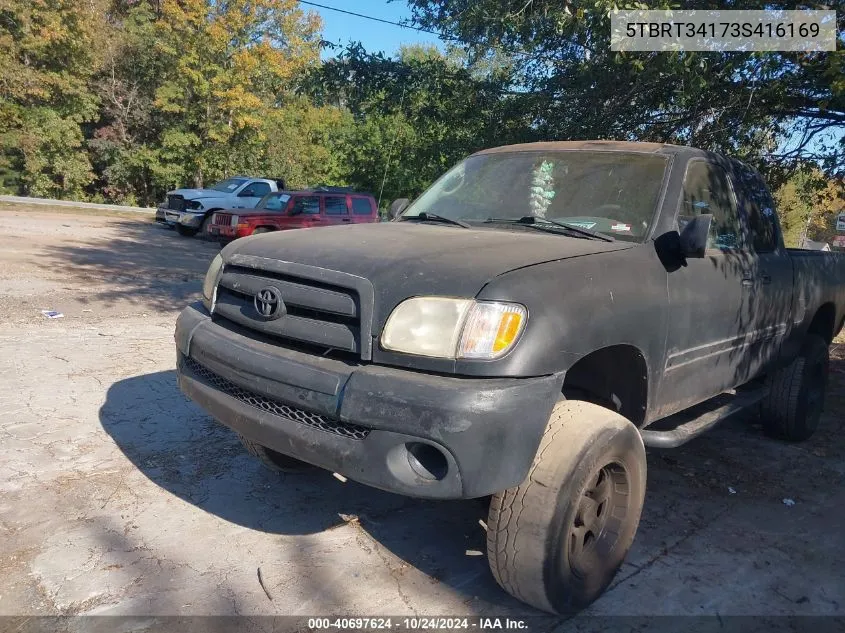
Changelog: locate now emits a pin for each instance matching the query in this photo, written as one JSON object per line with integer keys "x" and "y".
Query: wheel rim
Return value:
{"x": 601, "y": 508}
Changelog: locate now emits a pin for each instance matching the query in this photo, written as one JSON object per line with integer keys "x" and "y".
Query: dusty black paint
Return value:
{"x": 684, "y": 330}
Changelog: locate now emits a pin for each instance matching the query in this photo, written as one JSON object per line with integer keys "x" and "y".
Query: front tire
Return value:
{"x": 556, "y": 540}
{"x": 203, "y": 230}
{"x": 794, "y": 404}
{"x": 186, "y": 231}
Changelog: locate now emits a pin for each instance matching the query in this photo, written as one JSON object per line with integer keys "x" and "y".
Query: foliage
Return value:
{"x": 122, "y": 100}
{"x": 49, "y": 50}
{"x": 415, "y": 114}
{"x": 744, "y": 103}
{"x": 810, "y": 202}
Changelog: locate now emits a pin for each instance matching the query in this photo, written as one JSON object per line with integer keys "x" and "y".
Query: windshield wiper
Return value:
{"x": 544, "y": 223}
{"x": 433, "y": 217}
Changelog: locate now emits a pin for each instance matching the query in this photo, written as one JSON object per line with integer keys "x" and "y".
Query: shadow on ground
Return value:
{"x": 140, "y": 262}
{"x": 186, "y": 453}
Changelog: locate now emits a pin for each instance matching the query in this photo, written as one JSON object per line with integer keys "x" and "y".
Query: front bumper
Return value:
{"x": 367, "y": 422}
{"x": 161, "y": 215}
{"x": 191, "y": 219}
{"x": 225, "y": 233}
{"x": 171, "y": 217}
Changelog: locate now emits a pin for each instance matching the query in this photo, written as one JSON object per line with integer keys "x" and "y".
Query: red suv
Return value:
{"x": 283, "y": 210}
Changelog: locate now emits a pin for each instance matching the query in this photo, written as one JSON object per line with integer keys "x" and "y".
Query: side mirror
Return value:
{"x": 246, "y": 193}
{"x": 693, "y": 237}
{"x": 397, "y": 207}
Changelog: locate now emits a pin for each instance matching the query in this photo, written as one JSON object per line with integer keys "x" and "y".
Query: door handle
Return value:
{"x": 346, "y": 220}
{"x": 765, "y": 278}
{"x": 747, "y": 282}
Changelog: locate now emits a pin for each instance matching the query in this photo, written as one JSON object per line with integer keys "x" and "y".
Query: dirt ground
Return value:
{"x": 119, "y": 496}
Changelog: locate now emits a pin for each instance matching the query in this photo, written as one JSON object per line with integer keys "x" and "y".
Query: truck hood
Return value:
{"x": 404, "y": 259}
{"x": 195, "y": 194}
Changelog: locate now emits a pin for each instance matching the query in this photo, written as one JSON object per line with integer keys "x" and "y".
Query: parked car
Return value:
{"x": 281, "y": 210}
{"x": 190, "y": 210}
{"x": 523, "y": 330}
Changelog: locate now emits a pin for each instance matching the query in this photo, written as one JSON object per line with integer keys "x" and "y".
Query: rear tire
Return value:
{"x": 794, "y": 404}
{"x": 274, "y": 460}
{"x": 556, "y": 540}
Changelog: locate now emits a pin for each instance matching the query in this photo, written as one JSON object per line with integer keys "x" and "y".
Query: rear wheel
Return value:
{"x": 556, "y": 540}
{"x": 794, "y": 404}
{"x": 274, "y": 460}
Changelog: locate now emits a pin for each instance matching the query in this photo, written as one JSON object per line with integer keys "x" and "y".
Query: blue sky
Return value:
{"x": 375, "y": 36}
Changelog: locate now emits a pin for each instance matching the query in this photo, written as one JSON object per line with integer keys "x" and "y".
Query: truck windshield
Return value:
{"x": 228, "y": 185}
{"x": 274, "y": 201}
{"x": 614, "y": 193}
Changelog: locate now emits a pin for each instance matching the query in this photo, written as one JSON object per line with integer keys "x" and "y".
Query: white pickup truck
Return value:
{"x": 190, "y": 210}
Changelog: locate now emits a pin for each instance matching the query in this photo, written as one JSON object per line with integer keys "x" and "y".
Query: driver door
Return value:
{"x": 710, "y": 299}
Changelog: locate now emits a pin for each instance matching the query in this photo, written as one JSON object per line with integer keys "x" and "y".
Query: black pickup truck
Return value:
{"x": 522, "y": 330}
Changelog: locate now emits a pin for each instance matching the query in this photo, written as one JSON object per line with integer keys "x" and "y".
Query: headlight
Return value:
{"x": 454, "y": 328}
{"x": 193, "y": 204}
{"x": 209, "y": 286}
{"x": 234, "y": 221}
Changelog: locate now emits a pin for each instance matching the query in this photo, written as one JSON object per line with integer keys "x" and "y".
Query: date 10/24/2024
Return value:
{"x": 418, "y": 623}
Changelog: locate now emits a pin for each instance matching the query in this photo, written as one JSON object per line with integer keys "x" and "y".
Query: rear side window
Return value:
{"x": 307, "y": 205}
{"x": 336, "y": 205}
{"x": 706, "y": 190}
{"x": 259, "y": 189}
{"x": 361, "y": 206}
{"x": 759, "y": 209}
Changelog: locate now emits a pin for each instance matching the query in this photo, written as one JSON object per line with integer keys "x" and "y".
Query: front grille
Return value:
{"x": 257, "y": 401}
{"x": 222, "y": 219}
{"x": 316, "y": 313}
{"x": 176, "y": 203}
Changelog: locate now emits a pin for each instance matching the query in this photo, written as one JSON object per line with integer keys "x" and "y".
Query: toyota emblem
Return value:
{"x": 268, "y": 303}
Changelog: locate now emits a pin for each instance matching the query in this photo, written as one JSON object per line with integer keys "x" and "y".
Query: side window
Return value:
{"x": 759, "y": 209}
{"x": 361, "y": 206}
{"x": 306, "y": 205}
{"x": 259, "y": 189}
{"x": 706, "y": 190}
{"x": 336, "y": 205}
{"x": 274, "y": 202}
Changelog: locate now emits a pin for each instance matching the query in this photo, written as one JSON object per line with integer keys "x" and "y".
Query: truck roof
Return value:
{"x": 597, "y": 145}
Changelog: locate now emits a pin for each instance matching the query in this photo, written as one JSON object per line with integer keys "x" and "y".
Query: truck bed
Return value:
{"x": 819, "y": 279}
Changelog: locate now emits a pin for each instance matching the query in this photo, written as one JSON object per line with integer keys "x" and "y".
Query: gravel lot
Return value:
{"x": 118, "y": 496}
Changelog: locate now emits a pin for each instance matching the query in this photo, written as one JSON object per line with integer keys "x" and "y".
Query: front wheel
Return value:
{"x": 556, "y": 540}
{"x": 186, "y": 231}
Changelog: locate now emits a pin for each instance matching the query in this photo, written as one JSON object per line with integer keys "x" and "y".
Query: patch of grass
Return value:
{"x": 62, "y": 210}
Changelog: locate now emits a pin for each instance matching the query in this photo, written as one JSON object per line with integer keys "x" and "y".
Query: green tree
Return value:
{"x": 228, "y": 64}
{"x": 808, "y": 204}
{"x": 415, "y": 114}
{"x": 576, "y": 87}
{"x": 49, "y": 50}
